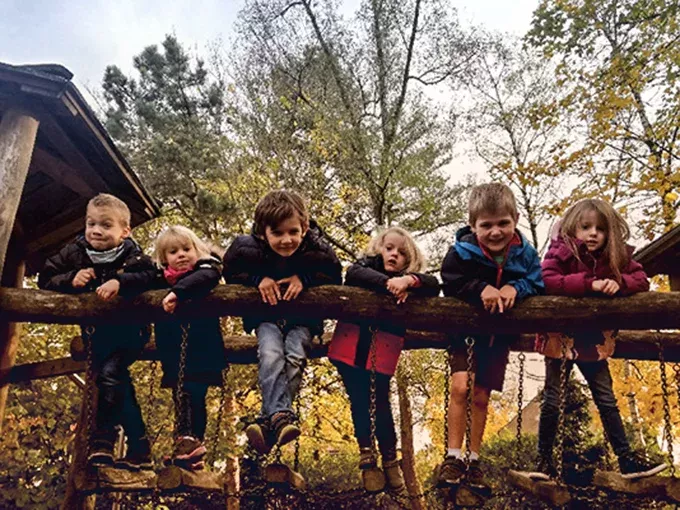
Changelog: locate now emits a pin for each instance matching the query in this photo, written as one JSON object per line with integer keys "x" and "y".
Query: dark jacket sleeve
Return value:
{"x": 320, "y": 266}
{"x": 633, "y": 279}
{"x": 243, "y": 263}
{"x": 138, "y": 275}
{"x": 361, "y": 274}
{"x": 429, "y": 285}
{"x": 200, "y": 281}
{"x": 532, "y": 283}
{"x": 459, "y": 282}
{"x": 559, "y": 282}
{"x": 58, "y": 272}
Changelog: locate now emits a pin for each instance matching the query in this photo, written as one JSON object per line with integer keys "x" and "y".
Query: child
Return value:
{"x": 491, "y": 265}
{"x": 390, "y": 266}
{"x": 190, "y": 271}
{"x": 107, "y": 261}
{"x": 284, "y": 255}
{"x": 589, "y": 257}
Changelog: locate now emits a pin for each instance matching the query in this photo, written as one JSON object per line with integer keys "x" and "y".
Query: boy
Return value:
{"x": 283, "y": 256}
{"x": 106, "y": 261}
{"x": 492, "y": 265}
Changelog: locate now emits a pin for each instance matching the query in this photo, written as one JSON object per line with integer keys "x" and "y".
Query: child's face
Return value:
{"x": 591, "y": 231}
{"x": 495, "y": 231}
{"x": 286, "y": 237}
{"x": 181, "y": 255}
{"x": 393, "y": 252}
{"x": 104, "y": 229}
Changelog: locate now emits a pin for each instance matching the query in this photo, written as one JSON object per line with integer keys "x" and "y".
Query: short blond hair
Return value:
{"x": 178, "y": 234}
{"x": 415, "y": 261}
{"x": 115, "y": 203}
{"x": 492, "y": 198}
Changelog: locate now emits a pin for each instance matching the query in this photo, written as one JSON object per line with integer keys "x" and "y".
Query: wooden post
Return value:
{"x": 674, "y": 281}
{"x": 17, "y": 137}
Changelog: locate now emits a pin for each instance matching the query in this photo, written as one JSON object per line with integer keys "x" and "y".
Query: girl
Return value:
{"x": 589, "y": 257}
{"x": 190, "y": 271}
{"x": 390, "y": 266}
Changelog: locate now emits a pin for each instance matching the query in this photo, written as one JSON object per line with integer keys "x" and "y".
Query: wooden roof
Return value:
{"x": 73, "y": 159}
{"x": 661, "y": 256}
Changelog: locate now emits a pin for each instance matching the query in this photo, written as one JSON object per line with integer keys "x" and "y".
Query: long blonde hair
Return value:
{"x": 415, "y": 261}
{"x": 178, "y": 234}
{"x": 615, "y": 227}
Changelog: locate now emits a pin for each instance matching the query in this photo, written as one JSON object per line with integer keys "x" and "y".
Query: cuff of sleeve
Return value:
{"x": 179, "y": 292}
{"x": 416, "y": 281}
{"x": 257, "y": 280}
{"x": 589, "y": 285}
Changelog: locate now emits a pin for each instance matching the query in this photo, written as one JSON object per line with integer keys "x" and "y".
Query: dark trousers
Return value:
{"x": 117, "y": 402}
{"x": 599, "y": 380}
{"x": 358, "y": 385}
{"x": 190, "y": 410}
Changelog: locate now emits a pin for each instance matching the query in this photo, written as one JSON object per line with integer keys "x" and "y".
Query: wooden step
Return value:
{"x": 111, "y": 479}
{"x": 547, "y": 491}
{"x": 176, "y": 479}
{"x": 280, "y": 474}
{"x": 658, "y": 487}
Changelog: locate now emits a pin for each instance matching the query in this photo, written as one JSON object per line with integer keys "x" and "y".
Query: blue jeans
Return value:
{"x": 282, "y": 356}
{"x": 599, "y": 380}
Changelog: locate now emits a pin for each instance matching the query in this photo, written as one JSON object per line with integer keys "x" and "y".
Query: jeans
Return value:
{"x": 599, "y": 380}
{"x": 190, "y": 415}
{"x": 358, "y": 385}
{"x": 117, "y": 402}
{"x": 282, "y": 356}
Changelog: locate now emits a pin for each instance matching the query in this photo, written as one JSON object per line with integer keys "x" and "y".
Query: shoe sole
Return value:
{"x": 288, "y": 434}
{"x": 537, "y": 475}
{"x": 645, "y": 474}
{"x": 128, "y": 466}
{"x": 257, "y": 441}
{"x": 100, "y": 460}
{"x": 196, "y": 455}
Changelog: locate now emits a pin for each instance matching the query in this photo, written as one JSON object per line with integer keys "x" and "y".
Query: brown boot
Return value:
{"x": 395, "y": 478}
{"x": 372, "y": 477}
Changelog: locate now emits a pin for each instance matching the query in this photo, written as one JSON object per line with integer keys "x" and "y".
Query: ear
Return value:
{"x": 126, "y": 232}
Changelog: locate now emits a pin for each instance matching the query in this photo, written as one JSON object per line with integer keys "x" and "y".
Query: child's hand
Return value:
{"x": 294, "y": 287}
{"x": 508, "y": 295}
{"x": 398, "y": 286}
{"x": 607, "y": 286}
{"x": 269, "y": 290}
{"x": 492, "y": 299}
{"x": 108, "y": 290}
{"x": 83, "y": 277}
{"x": 170, "y": 302}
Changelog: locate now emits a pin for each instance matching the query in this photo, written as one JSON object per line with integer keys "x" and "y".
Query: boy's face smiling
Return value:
{"x": 104, "y": 229}
{"x": 286, "y": 237}
{"x": 495, "y": 231}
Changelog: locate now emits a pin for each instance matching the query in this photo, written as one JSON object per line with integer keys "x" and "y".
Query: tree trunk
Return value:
{"x": 632, "y": 405}
{"x": 408, "y": 458}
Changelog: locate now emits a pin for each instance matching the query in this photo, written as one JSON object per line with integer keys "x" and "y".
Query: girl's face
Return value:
{"x": 181, "y": 255}
{"x": 393, "y": 252}
{"x": 590, "y": 229}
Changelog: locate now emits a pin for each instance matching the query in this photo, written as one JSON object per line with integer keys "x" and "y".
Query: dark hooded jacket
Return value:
{"x": 132, "y": 268}
{"x": 205, "y": 358}
{"x": 250, "y": 259}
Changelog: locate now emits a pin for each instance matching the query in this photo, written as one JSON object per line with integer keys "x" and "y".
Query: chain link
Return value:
{"x": 470, "y": 343}
{"x": 559, "y": 453}
{"x": 179, "y": 400}
{"x": 372, "y": 398}
{"x": 215, "y": 438}
{"x": 668, "y": 426}
{"x": 520, "y": 397}
{"x": 447, "y": 396}
{"x": 296, "y": 458}
{"x": 89, "y": 384}
{"x": 150, "y": 400}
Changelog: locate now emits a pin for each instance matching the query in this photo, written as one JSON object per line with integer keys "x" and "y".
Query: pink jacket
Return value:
{"x": 565, "y": 275}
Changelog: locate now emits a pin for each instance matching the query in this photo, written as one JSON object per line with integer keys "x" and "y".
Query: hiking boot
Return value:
{"x": 395, "y": 479}
{"x": 101, "y": 448}
{"x": 259, "y": 437}
{"x": 450, "y": 472}
{"x": 188, "y": 453}
{"x": 137, "y": 456}
{"x": 475, "y": 475}
{"x": 545, "y": 469}
{"x": 284, "y": 428}
{"x": 372, "y": 477}
{"x": 636, "y": 465}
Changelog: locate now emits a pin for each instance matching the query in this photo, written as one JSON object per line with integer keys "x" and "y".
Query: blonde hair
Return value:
{"x": 115, "y": 203}
{"x": 178, "y": 234}
{"x": 492, "y": 198}
{"x": 415, "y": 261}
{"x": 616, "y": 230}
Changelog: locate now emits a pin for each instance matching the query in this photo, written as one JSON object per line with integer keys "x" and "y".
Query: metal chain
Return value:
{"x": 520, "y": 397}
{"x": 150, "y": 400}
{"x": 470, "y": 342}
{"x": 89, "y": 382}
{"x": 447, "y": 396}
{"x": 372, "y": 398}
{"x": 668, "y": 426}
{"x": 180, "y": 378}
{"x": 559, "y": 453}
{"x": 296, "y": 459}
{"x": 215, "y": 439}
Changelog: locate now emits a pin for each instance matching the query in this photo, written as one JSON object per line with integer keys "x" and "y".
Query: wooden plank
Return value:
{"x": 41, "y": 370}
{"x": 61, "y": 172}
{"x": 111, "y": 479}
{"x": 279, "y": 474}
{"x": 175, "y": 479}
{"x": 675, "y": 281}
{"x": 654, "y": 486}
{"x": 547, "y": 491}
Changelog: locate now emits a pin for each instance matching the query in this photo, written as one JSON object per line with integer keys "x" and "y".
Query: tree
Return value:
{"x": 621, "y": 61}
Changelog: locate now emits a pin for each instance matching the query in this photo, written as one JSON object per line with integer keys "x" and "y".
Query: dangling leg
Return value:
{"x": 387, "y": 437}
{"x": 191, "y": 421}
{"x": 453, "y": 468}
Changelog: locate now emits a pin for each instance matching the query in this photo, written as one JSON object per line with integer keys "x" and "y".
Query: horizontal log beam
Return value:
{"x": 544, "y": 313}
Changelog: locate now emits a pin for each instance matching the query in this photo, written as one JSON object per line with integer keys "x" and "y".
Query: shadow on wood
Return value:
{"x": 280, "y": 474}
{"x": 549, "y": 492}
{"x": 658, "y": 487}
{"x": 472, "y": 495}
{"x": 111, "y": 479}
{"x": 175, "y": 479}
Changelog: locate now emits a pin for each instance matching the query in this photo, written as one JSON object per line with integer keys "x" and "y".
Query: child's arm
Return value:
{"x": 427, "y": 285}
{"x": 559, "y": 283}
{"x": 361, "y": 274}
{"x": 633, "y": 279}
{"x": 199, "y": 283}
{"x": 320, "y": 266}
{"x": 457, "y": 282}
{"x": 59, "y": 272}
{"x": 139, "y": 275}
{"x": 243, "y": 264}
{"x": 532, "y": 284}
